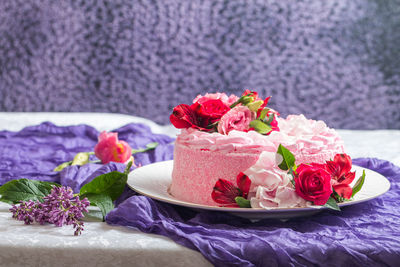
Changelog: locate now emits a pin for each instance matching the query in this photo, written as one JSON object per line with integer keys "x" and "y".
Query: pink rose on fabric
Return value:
{"x": 109, "y": 148}
{"x": 221, "y": 96}
{"x": 238, "y": 118}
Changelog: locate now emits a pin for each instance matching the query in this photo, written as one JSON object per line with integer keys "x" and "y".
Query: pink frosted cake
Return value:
{"x": 227, "y": 139}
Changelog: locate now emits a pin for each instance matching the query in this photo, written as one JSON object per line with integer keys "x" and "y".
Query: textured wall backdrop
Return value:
{"x": 335, "y": 60}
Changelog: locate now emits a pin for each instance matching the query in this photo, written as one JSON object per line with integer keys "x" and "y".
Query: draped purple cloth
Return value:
{"x": 366, "y": 234}
{"x": 35, "y": 151}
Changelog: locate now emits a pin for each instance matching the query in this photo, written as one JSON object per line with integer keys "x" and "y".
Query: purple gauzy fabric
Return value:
{"x": 366, "y": 234}
{"x": 35, "y": 151}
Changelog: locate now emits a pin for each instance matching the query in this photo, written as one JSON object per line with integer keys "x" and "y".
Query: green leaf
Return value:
{"x": 242, "y": 202}
{"x": 23, "y": 190}
{"x": 93, "y": 216}
{"x": 254, "y": 106}
{"x": 128, "y": 168}
{"x": 260, "y": 127}
{"x": 111, "y": 184}
{"x": 331, "y": 204}
{"x": 247, "y": 100}
{"x": 103, "y": 201}
{"x": 62, "y": 166}
{"x": 80, "y": 159}
{"x": 358, "y": 185}
{"x": 149, "y": 146}
{"x": 288, "y": 158}
{"x": 244, "y": 99}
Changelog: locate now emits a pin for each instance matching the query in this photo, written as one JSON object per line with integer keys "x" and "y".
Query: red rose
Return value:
{"x": 313, "y": 183}
{"x": 340, "y": 171}
{"x": 212, "y": 109}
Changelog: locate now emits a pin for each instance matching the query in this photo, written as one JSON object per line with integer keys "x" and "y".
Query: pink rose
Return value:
{"x": 109, "y": 148}
{"x": 313, "y": 183}
{"x": 238, "y": 118}
{"x": 221, "y": 96}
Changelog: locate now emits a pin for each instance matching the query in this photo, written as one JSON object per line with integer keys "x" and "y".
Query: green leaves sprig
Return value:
{"x": 15, "y": 191}
{"x": 101, "y": 191}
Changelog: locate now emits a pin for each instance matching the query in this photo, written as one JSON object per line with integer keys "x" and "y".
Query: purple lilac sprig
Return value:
{"x": 60, "y": 207}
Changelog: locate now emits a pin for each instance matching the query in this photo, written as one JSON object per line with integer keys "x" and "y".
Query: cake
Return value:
{"x": 226, "y": 138}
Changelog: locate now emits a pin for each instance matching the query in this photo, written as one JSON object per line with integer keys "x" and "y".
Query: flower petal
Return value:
{"x": 343, "y": 190}
{"x": 243, "y": 183}
{"x": 224, "y": 192}
{"x": 339, "y": 167}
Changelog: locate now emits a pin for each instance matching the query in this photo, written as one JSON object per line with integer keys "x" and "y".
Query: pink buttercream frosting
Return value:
{"x": 310, "y": 140}
{"x": 233, "y": 142}
{"x": 307, "y": 139}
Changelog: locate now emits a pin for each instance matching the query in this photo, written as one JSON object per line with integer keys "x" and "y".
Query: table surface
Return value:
{"x": 105, "y": 245}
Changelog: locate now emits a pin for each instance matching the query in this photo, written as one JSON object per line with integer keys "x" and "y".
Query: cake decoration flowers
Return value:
{"x": 275, "y": 181}
{"x": 217, "y": 112}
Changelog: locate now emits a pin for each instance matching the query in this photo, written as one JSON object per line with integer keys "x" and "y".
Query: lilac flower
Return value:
{"x": 25, "y": 212}
{"x": 60, "y": 207}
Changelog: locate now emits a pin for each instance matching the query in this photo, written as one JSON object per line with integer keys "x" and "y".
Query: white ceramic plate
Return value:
{"x": 154, "y": 179}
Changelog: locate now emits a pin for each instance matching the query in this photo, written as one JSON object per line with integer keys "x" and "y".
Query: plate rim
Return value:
{"x": 174, "y": 201}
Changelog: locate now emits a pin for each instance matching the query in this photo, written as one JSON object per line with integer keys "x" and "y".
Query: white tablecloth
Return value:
{"x": 104, "y": 245}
